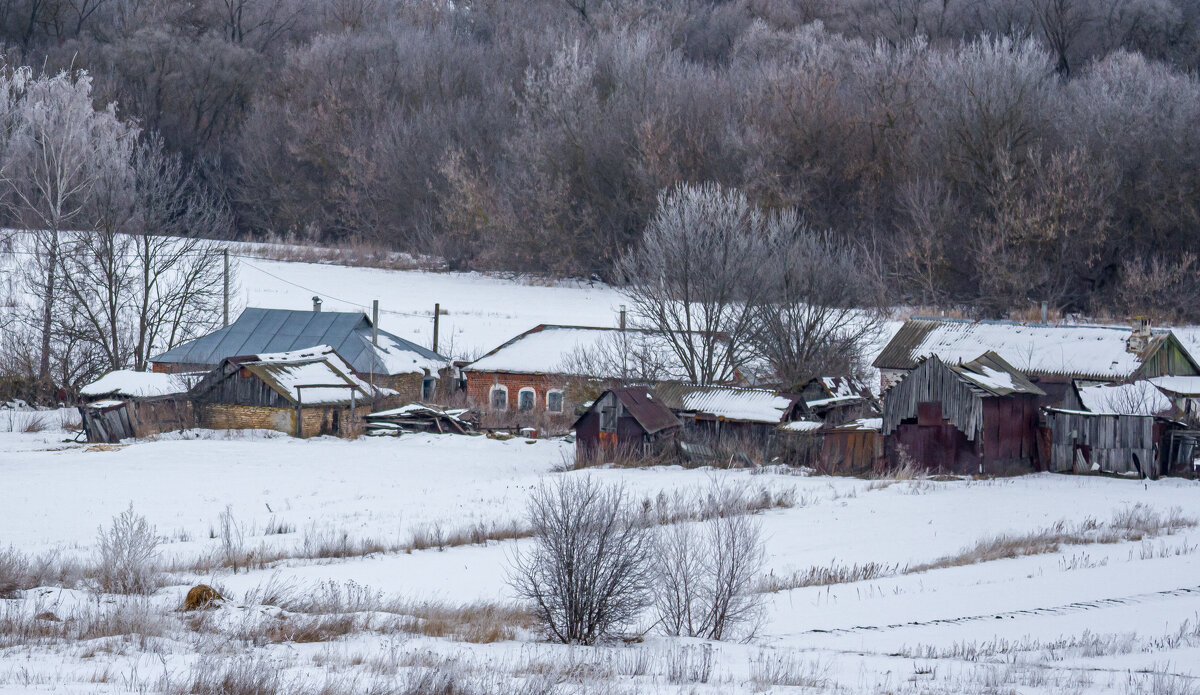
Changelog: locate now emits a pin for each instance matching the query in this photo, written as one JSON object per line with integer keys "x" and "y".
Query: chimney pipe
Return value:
{"x": 375, "y": 322}
{"x": 622, "y": 317}
{"x": 1045, "y": 312}
{"x": 316, "y": 303}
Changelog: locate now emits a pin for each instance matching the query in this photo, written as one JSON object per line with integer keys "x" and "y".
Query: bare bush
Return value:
{"x": 774, "y": 669}
{"x": 14, "y": 568}
{"x": 127, "y": 552}
{"x": 705, "y": 578}
{"x": 587, "y": 574}
{"x": 233, "y": 540}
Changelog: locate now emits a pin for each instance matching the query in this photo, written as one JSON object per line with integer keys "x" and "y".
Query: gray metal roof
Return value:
{"x": 259, "y": 331}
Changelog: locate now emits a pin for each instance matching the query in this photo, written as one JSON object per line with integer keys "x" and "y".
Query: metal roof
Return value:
{"x": 649, "y": 412}
{"x": 728, "y": 402}
{"x": 990, "y": 373}
{"x": 259, "y": 331}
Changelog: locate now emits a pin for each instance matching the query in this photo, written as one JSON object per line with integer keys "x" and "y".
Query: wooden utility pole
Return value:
{"x": 225, "y": 253}
{"x": 437, "y": 312}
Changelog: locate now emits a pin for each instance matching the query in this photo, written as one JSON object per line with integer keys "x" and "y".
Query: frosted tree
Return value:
{"x": 58, "y": 148}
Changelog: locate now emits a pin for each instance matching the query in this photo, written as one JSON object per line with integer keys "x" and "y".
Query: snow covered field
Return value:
{"x": 1115, "y": 617}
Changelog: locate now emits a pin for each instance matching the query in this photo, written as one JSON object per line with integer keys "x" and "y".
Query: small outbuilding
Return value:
{"x": 126, "y": 404}
{"x": 305, "y": 393}
{"x": 975, "y": 417}
{"x": 1114, "y": 428}
{"x": 628, "y": 421}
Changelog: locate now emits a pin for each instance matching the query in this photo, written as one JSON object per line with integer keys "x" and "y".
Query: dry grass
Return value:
{"x": 30, "y": 623}
{"x": 28, "y": 421}
{"x": 828, "y": 575}
{"x": 781, "y": 669}
{"x": 1131, "y": 524}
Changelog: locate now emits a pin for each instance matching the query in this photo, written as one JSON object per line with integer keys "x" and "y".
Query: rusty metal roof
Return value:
{"x": 992, "y": 374}
{"x": 652, "y": 414}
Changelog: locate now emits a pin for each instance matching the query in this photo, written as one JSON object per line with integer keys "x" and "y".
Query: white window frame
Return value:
{"x": 492, "y": 396}
{"x": 561, "y": 400}
{"x": 533, "y": 405}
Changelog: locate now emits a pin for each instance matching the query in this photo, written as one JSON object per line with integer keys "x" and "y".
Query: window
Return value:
{"x": 428, "y": 388}
{"x": 554, "y": 401}
{"x": 499, "y": 397}
{"x": 526, "y": 398}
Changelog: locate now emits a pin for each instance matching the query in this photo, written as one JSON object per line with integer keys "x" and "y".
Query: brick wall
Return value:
{"x": 479, "y": 389}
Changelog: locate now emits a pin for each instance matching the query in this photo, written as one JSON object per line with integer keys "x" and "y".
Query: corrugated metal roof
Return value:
{"x": 727, "y": 402}
{"x": 1083, "y": 351}
{"x": 259, "y": 331}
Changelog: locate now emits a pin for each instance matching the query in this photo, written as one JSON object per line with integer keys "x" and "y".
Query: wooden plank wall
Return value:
{"x": 934, "y": 381}
{"x": 1113, "y": 442}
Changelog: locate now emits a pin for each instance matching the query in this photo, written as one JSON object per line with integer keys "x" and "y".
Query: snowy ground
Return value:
{"x": 1118, "y": 617}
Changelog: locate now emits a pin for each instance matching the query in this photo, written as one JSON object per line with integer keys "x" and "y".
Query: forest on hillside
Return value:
{"x": 989, "y": 155}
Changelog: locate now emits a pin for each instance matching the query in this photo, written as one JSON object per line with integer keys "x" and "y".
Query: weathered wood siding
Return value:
{"x": 850, "y": 452}
{"x": 1116, "y": 443}
{"x": 1010, "y": 434}
{"x": 934, "y": 382}
{"x": 233, "y": 385}
{"x": 1168, "y": 360}
{"x": 134, "y": 418}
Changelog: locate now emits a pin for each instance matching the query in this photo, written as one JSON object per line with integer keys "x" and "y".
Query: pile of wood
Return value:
{"x": 417, "y": 417}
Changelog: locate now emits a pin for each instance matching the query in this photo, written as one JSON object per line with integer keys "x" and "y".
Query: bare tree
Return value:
{"x": 695, "y": 278}
{"x": 705, "y": 575}
{"x": 587, "y": 574}
{"x": 822, "y": 309}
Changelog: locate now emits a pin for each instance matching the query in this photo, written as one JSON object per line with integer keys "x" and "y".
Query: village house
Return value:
{"x": 975, "y": 417}
{"x": 1050, "y": 356}
{"x": 375, "y": 356}
{"x": 304, "y": 393}
{"x": 555, "y": 369}
{"x": 626, "y": 421}
{"x": 838, "y": 399}
{"x": 125, "y": 403}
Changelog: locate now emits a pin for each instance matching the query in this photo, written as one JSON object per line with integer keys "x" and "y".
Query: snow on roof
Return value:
{"x": 127, "y": 382}
{"x": 801, "y": 426}
{"x": 1084, "y": 351}
{"x": 316, "y": 375}
{"x": 1181, "y": 385}
{"x": 867, "y": 423}
{"x": 601, "y": 353}
{"x": 750, "y": 405}
{"x": 1137, "y": 398}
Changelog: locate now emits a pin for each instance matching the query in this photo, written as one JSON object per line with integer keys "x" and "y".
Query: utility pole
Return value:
{"x": 225, "y": 253}
{"x": 437, "y": 312}
{"x": 375, "y": 322}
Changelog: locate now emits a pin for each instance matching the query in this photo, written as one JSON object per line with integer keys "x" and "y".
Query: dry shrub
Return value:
{"x": 127, "y": 551}
{"x": 325, "y": 543}
{"x": 28, "y": 421}
{"x": 14, "y": 571}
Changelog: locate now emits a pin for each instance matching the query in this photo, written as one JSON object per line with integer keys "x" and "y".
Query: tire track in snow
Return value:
{"x": 1076, "y": 607}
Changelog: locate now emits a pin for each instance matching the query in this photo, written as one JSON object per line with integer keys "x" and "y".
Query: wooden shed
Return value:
{"x": 629, "y": 421}
{"x": 304, "y": 393}
{"x": 127, "y": 404}
{"x": 976, "y": 417}
{"x": 1114, "y": 428}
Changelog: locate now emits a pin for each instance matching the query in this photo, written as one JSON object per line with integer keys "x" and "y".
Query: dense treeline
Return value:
{"x": 995, "y": 154}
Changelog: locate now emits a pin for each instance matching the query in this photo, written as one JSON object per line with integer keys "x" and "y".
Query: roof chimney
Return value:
{"x": 1139, "y": 337}
{"x": 622, "y": 317}
{"x": 316, "y": 303}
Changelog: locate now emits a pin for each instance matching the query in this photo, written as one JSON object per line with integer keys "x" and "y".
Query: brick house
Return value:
{"x": 555, "y": 369}
{"x": 375, "y": 356}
